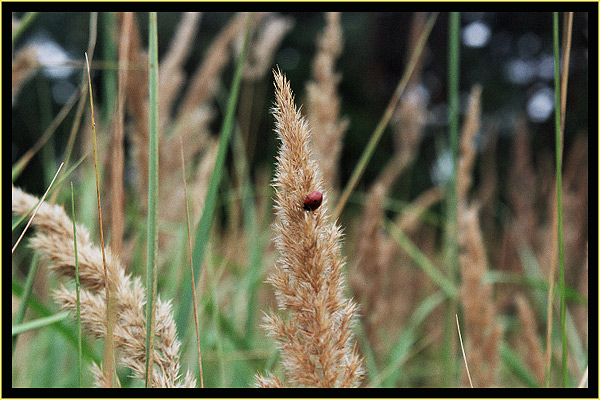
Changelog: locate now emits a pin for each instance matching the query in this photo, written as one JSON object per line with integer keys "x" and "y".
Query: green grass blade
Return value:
{"x": 204, "y": 226}
{"x": 255, "y": 242}
{"x": 109, "y": 75}
{"x": 451, "y": 232}
{"x": 39, "y": 323}
{"x": 561, "y": 264}
{"x": 538, "y": 283}
{"x": 108, "y": 365}
{"x": 77, "y": 287}
{"x": 23, "y": 25}
{"x": 152, "y": 254}
{"x": 32, "y": 303}
{"x": 26, "y": 294}
{"x": 516, "y": 365}
{"x": 403, "y": 346}
{"x": 422, "y": 261}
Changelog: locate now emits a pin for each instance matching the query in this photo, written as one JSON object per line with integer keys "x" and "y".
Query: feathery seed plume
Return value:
{"x": 314, "y": 334}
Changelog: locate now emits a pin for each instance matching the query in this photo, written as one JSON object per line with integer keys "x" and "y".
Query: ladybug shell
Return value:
{"x": 313, "y": 201}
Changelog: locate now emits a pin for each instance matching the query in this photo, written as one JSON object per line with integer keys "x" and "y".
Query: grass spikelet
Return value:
{"x": 172, "y": 75}
{"x": 482, "y": 332}
{"x": 23, "y": 68}
{"x": 522, "y": 190}
{"x": 371, "y": 269}
{"x": 54, "y": 241}
{"x": 314, "y": 337}
{"x": 323, "y": 102}
{"x": 203, "y": 83}
{"x": 467, "y": 145}
{"x": 272, "y": 31}
{"x": 529, "y": 337}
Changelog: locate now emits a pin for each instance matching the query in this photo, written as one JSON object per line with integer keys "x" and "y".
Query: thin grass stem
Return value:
{"x": 194, "y": 297}
{"x": 152, "y": 253}
{"x": 25, "y": 296}
{"x": 422, "y": 261}
{"x": 82, "y": 95}
{"x": 462, "y": 347}
{"x": 77, "y": 289}
{"x": 558, "y": 131}
{"x": 36, "y": 209}
{"x": 109, "y": 349}
{"x": 22, "y": 218}
{"x": 24, "y": 160}
{"x": 451, "y": 231}
{"x": 385, "y": 119}
{"x": 39, "y": 323}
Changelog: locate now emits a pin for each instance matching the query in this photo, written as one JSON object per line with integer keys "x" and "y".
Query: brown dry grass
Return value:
{"x": 314, "y": 333}
{"x": 54, "y": 242}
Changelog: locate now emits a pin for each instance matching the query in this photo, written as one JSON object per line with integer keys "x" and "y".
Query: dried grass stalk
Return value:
{"x": 372, "y": 267}
{"x": 54, "y": 241}
{"x": 409, "y": 222}
{"x": 323, "y": 102}
{"x": 137, "y": 101}
{"x": 205, "y": 79}
{"x": 23, "y": 68}
{"x": 530, "y": 339}
{"x": 409, "y": 122}
{"x": 117, "y": 152}
{"x": 171, "y": 70}
{"x": 522, "y": 191}
{"x": 272, "y": 31}
{"x": 467, "y": 145}
{"x": 315, "y": 336}
{"x": 482, "y": 333}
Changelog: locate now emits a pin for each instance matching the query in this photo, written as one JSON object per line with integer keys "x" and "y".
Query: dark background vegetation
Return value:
{"x": 373, "y": 61}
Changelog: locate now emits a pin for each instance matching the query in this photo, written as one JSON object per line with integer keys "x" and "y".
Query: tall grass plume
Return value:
{"x": 313, "y": 330}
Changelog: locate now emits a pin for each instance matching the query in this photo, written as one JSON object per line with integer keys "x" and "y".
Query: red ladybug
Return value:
{"x": 313, "y": 201}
